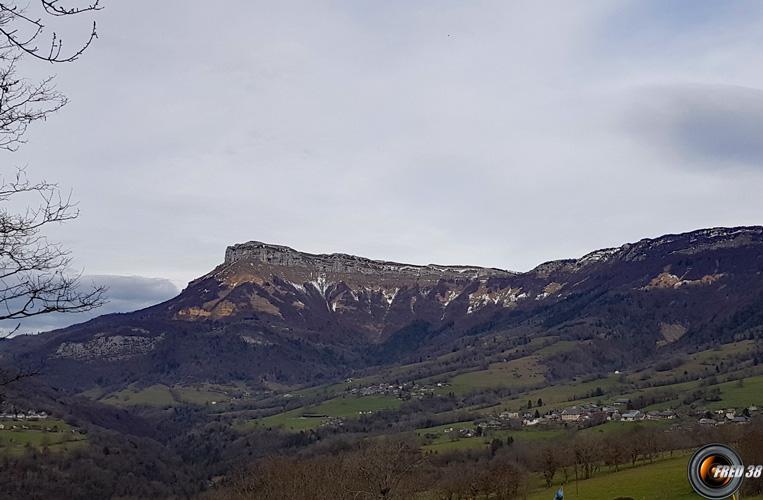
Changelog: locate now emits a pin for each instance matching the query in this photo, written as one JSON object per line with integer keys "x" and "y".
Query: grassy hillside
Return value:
{"x": 51, "y": 434}
{"x": 310, "y": 417}
{"x": 163, "y": 396}
{"x": 665, "y": 479}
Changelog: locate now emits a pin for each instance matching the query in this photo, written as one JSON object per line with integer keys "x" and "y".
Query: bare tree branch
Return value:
{"x": 22, "y": 34}
{"x": 22, "y": 102}
{"x": 15, "y": 22}
{"x": 35, "y": 275}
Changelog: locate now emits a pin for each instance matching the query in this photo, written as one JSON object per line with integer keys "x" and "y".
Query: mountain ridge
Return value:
{"x": 269, "y": 312}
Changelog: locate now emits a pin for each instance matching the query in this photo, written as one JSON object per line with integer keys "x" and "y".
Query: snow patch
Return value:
{"x": 299, "y": 287}
{"x": 390, "y": 296}
{"x": 321, "y": 285}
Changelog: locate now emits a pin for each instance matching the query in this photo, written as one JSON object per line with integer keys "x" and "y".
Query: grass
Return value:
{"x": 558, "y": 347}
{"x": 521, "y": 372}
{"x": 610, "y": 428}
{"x": 351, "y": 406}
{"x": 163, "y": 396}
{"x": 559, "y": 395}
{"x": 16, "y": 442}
{"x": 292, "y": 420}
{"x": 700, "y": 364}
{"x": 439, "y": 441}
{"x": 735, "y": 396}
{"x": 155, "y": 395}
{"x": 663, "y": 480}
{"x": 311, "y": 417}
{"x": 200, "y": 395}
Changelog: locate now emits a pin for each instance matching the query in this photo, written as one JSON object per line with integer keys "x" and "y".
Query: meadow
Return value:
{"x": 34, "y": 435}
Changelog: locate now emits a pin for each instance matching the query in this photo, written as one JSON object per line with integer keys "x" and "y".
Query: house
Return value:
{"x": 466, "y": 433}
{"x": 571, "y": 415}
{"x": 707, "y": 421}
{"x": 632, "y": 416}
{"x": 660, "y": 415}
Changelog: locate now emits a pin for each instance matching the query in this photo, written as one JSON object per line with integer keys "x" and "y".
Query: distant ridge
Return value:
{"x": 272, "y": 313}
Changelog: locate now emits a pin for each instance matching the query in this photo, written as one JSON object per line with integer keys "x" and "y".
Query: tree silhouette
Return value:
{"x": 35, "y": 273}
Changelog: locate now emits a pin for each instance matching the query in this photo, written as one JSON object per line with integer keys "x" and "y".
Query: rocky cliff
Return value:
{"x": 269, "y": 311}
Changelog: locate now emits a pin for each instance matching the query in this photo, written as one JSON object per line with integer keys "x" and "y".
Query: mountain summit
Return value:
{"x": 271, "y": 313}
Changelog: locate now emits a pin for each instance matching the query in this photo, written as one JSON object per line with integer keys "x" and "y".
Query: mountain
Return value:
{"x": 271, "y": 314}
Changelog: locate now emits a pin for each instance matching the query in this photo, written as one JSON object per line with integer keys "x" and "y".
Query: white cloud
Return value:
{"x": 123, "y": 294}
{"x": 493, "y": 133}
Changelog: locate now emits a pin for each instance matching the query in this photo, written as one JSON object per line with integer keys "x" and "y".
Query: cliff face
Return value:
{"x": 255, "y": 252}
{"x": 342, "y": 292}
{"x": 271, "y": 311}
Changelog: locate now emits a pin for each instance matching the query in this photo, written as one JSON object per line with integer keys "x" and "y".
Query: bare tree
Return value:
{"x": 23, "y": 34}
{"x": 549, "y": 463}
{"x": 587, "y": 453}
{"x": 25, "y": 31}
{"x": 384, "y": 467}
{"x": 35, "y": 274}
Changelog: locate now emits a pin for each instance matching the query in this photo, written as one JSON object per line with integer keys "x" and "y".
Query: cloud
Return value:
{"x": 709, "y": 126}
{"x": 124, "y": 294}
{"x": 488, "y": 132}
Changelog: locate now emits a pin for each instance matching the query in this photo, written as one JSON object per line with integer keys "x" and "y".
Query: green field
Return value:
{"x": 559, "y": 395}
{"x": 438, "y": 441}
{"x": 164, "y": 396}
{"x": 734, "y": 396}
{"x": 523, "y": 372}
{"x": 289, "y": 421}
{"x": 614, "y": 386}
{"x": 59, "y": 439}
{"x": 610, "y": 428}
{"x": 351, "y": 406}
{"x": 310, "y": 417}
{"x": 665, "y": 479}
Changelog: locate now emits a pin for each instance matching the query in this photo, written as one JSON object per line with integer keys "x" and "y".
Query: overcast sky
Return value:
{"x": 490, "y": 133}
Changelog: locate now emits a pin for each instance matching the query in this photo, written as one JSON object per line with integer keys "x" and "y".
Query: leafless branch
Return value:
{"x": 22, "y": 102}
{"x": 35, "y": 275}
{"x": 23, "y": 32}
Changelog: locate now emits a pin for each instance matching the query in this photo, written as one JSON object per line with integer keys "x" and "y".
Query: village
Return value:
{"x": 589, "y": 415}
{"x": 407, "y": 390}
{"x": 586, "y": 415}
{"x": 583, "y": 415}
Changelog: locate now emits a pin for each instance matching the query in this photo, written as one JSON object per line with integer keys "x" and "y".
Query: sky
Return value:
{"x": 494, "y": 133}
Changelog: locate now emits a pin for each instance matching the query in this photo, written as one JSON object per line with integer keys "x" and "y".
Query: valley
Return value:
{"x": 278, "y": 353}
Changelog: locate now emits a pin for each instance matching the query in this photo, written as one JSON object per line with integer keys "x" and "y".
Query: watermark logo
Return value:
{"x": 716, "y": 472}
